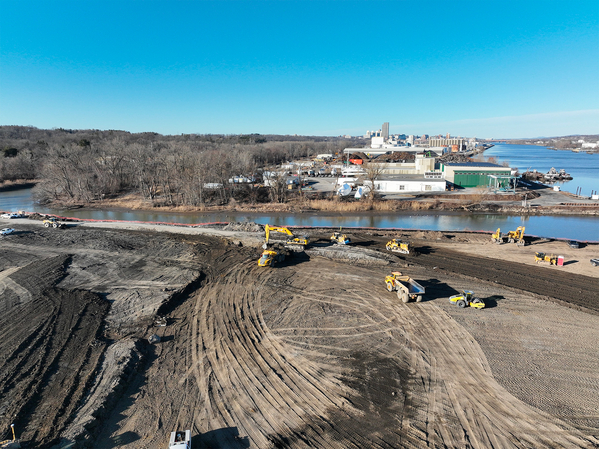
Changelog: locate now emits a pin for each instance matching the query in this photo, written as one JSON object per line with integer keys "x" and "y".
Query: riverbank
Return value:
{"x": 9, "y": 186}
{"x": 525, "y": 203}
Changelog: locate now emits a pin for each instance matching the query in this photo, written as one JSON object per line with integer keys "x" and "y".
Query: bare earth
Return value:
{"x": 315, "y": 353}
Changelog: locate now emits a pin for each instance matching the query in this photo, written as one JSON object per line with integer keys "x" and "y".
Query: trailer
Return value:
{"x": 406, "y": 287}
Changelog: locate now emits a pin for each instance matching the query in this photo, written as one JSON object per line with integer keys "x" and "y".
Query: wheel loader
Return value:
{"x": 516, "y": 236}
{"x": 466, "y": 298}
{"x": 406, "y": 287}
{"x": 542, "y": 257}
{"x": 397, "y": 246}
{"x": 53, "y": 223}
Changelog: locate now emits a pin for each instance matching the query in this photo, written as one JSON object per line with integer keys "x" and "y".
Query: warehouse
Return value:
{"x": 408, "y": 184}
{"x": 476, "y": 174}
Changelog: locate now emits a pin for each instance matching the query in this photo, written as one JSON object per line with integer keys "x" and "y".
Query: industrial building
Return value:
{"x": 407, "y": 184}
{"x": 477, "y": 174}
{"x": 456, "y": 145}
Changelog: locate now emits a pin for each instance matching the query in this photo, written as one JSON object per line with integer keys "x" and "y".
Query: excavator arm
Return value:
{"x": 268, "y": 229}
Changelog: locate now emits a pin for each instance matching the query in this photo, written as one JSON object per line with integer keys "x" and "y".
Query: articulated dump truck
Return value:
{"x": 407, "y": 288}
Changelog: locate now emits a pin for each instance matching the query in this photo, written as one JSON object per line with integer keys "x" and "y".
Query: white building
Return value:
{"x": 407, "y": 184}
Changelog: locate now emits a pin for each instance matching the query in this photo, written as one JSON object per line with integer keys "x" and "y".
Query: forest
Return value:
{"x": 80, "y": 167}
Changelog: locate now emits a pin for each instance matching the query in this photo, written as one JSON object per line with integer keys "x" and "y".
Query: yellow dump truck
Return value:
{"x": 407, "y": 288}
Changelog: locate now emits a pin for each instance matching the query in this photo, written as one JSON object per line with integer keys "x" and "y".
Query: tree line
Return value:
{"x": 83, "y": 166}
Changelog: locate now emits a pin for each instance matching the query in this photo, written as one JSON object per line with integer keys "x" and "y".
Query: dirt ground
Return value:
{"x": 315, "y": 353}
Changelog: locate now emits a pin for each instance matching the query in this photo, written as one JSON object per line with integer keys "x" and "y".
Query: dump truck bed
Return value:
{"x": 414, "y": 288}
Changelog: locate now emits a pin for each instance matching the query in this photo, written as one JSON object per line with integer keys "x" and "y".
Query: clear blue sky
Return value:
{"x": 479, "y": 68}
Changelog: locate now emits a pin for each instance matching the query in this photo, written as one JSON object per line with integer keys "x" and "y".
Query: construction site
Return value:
{"x": 119, "y": 334}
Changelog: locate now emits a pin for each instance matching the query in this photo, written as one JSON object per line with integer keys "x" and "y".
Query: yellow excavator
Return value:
{"x": 397, "y": 246}
{"x": 11, "y": 444}
{"x": 497, "y": 237}
{"x": 293, "y": 243}
{"x": 516, "y": 236}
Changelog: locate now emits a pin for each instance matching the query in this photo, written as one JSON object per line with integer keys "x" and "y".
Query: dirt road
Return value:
{"x": 315, "y": 353}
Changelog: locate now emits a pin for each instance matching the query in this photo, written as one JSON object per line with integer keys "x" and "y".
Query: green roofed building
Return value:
{"x": 477, "y": 174}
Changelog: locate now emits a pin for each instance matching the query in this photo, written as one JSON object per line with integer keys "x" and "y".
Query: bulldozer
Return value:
{"x": 542, "y": 257}
{"x": 516, "y": 236}
{"x": 497, "y": 237}
{"x": 340, "y": 239}
{"x": 467, "y": 298}
{"x": 397, "y": 246}
{"x": 52, "y": 222}
{"x": 292, "y": 242}
{"x": 406, "y": 287}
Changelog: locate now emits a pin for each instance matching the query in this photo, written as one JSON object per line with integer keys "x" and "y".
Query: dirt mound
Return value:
{"x": 396, "y": 157}
{"x": 359, "y": 155}
{"x": 454, "y": 157}
{"x": 361, "y": 256}
{"x": 248, "y": 226}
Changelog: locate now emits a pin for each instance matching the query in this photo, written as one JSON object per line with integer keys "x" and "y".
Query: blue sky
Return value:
{"x": 479, "y": 68}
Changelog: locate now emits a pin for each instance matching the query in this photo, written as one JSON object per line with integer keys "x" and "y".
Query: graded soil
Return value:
{"x": 314, "y": 353}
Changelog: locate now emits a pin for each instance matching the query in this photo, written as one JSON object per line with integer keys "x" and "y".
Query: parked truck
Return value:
{"x": 407, "y": 288}
{"x": 180, "y": 439}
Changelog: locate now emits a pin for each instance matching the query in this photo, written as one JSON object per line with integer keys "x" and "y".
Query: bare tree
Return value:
{"x": 372, "y": 172}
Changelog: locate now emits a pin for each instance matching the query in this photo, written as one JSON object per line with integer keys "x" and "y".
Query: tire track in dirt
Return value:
{"x": 39, "y": 356}
{"x": 243, "y": 357}
{"x": 571, "y": 288}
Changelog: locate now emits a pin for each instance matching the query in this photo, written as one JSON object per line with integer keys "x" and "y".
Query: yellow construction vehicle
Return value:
{"x": 293, "y": 243}
{"x": 340, "y": 239}
{"x": 52, "y": 222}
{"x": 397, "y": 246}
{"x": 466, "y": 298}
{"x": 542, "y": 257}
{"x": 497, "y": 237}
{"x": 11, "y": 444}
{"x": 406, "y": 287}
{"x": 516, "y": 236}
{"x": 270, "y": 257}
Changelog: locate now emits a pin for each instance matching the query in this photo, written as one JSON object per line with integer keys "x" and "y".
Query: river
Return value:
{"x": 582, "y": 166}
{"x": 566, "y": 227}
